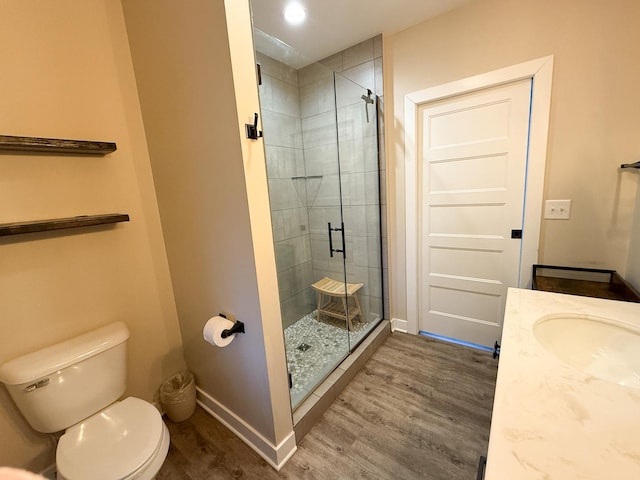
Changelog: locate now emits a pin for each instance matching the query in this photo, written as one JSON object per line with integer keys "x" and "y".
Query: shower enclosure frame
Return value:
{"x": 349, "y": 119}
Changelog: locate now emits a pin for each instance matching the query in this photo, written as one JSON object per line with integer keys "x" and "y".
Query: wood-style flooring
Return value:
{"x": 419, "y": 409}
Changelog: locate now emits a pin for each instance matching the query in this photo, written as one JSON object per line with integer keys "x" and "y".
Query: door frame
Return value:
{"x": 540, "y": 71}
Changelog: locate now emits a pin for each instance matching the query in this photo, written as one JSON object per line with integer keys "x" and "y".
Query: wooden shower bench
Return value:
{"x": 333, "y": 297}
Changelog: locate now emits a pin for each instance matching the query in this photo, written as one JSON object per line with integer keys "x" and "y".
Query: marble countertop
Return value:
{"x": 550, "y": 420}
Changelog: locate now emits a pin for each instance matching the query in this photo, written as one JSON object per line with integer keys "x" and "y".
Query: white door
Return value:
{"x": 472, "y": 165}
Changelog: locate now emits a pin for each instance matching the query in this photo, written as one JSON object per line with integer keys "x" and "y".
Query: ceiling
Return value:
{"x": 333, "y": 25}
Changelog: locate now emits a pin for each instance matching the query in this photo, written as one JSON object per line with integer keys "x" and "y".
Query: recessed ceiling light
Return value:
{"x": 295, "y": 13}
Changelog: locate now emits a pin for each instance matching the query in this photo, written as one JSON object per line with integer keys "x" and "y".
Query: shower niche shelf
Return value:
{"x": 19, "y": 228}
{"x": 9, "y": 143}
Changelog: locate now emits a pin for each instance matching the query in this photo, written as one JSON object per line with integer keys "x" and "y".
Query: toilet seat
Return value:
{"x": 113, "y": 444}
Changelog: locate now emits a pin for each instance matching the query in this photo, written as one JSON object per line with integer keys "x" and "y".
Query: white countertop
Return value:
{"x": 550, "y": 420}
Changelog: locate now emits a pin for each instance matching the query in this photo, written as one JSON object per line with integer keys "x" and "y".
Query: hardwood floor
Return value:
{"x": 419, "y": 409}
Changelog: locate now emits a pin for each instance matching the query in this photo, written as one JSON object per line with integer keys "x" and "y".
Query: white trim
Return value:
{"x": 398, "y": 325}
{"x": 159, "y": 407}
{"x": 51, "y": 472}
{"x": 540, "y": 71}
{"x": 274, "y": 455}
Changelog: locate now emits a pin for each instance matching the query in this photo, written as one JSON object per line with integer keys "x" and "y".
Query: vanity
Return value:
{"x": 567, "y": 401}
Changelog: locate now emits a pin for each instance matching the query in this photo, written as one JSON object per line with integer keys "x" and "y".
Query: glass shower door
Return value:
{"x": 357, "y": 127}
{"x": 300, "y": 138}
{"x": 318, "y": 342}
{"x": 322, "y": 167}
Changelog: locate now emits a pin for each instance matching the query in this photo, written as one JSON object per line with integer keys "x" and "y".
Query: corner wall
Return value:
{"x": 593, "y": 126}
{"x": 195, "y": 71}
{"x": 67, "y": 73}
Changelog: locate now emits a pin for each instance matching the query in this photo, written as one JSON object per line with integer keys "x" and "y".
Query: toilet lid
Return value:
{"x": 111, "y": 444}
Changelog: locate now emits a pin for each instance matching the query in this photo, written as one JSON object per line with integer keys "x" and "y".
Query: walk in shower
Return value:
{"x": 321, "y": 140}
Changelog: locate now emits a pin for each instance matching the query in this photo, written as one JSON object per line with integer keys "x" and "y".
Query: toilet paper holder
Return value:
{"x": 238, "y": 327}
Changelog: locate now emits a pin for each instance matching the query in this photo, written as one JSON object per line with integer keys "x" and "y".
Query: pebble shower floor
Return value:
{"x": 314, "y": 348}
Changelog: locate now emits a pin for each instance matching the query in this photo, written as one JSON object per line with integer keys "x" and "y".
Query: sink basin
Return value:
{"x": 601, "y": 347}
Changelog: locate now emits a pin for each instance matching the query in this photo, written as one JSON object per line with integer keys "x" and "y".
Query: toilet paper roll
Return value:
{"x": 212, "y": 331}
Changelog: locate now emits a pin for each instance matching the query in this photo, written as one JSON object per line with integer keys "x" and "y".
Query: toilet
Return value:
{"x": 75, "y": 386}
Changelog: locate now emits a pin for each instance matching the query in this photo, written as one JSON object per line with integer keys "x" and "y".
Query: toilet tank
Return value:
{"x": 63, "y": 384}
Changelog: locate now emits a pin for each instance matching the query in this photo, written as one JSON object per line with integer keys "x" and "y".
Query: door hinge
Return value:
{"x": 516, "y": 233}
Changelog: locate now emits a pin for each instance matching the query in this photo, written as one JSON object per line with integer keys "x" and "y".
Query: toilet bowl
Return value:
{"x": 128, "y": 440}
{"x": 75, "y": 386}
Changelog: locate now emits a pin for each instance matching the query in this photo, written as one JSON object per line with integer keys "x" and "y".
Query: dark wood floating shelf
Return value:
{"x": 54, "y": 146}
{"x": 61, "y": 223}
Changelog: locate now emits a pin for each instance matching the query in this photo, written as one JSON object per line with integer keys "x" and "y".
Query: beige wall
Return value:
{"x": 212, "y": 194}
{"x": 243, "y": 63}
{"x": 594, "y": 124}
{"x": 67, "y": 73}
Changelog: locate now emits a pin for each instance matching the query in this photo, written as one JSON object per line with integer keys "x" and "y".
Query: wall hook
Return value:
{"x": 252, "y": 130}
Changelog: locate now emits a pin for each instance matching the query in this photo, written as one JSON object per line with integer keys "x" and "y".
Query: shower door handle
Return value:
{"x": 330, "y": 239}
{"x": 331, "y": 249}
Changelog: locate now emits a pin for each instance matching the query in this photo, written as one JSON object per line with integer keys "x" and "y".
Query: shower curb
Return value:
{"x": 310, "y": 411}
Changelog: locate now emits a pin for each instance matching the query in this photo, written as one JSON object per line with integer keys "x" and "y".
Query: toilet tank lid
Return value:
{"x": 40, "y": 363}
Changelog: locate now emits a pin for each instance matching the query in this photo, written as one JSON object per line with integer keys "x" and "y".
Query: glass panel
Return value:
{"x": 357, "y": 117}
{"x": 301, "y": 148}
{"x": 321, "y": 147}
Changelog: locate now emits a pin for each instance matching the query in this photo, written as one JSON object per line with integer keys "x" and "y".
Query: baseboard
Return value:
{"x": 157, "y": 403}
{"x": 50, "y": 473}
{"x": 399, "y": 325}
{"x": 158, "y": 406}
{"x": 274, "y": 455}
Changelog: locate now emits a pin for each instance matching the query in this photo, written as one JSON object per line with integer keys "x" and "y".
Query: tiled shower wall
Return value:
{"x": 280, "y": 106}
{"x": 300, "y": 141}
{"x": 359, "y": 167}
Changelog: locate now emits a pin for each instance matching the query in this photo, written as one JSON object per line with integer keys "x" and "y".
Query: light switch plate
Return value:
{"x": 557, "y": 209}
